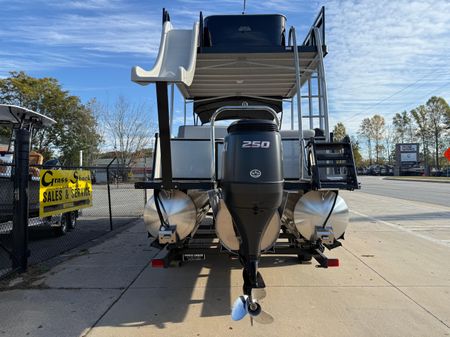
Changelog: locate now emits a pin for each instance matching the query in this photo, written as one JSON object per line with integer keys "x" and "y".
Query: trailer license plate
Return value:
{"x": 194, "y": 257}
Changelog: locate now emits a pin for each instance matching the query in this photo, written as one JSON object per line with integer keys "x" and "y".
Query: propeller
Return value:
{"x": 263, "y": 317}
{"x": 259, "y": 293}
{"x": 248, "y": 305}
{"x": 240, "y": 308}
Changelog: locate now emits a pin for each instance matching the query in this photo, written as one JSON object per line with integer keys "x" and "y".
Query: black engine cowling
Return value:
{"x": 252, "y": 184}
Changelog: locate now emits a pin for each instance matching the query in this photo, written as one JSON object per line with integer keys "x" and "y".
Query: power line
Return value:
{"x": 403, "y": 89}
{"x": 370, "y": 109}
{"x": 428, "y": 94}
{"x": 430, "y": 5}
{"x": 410, "y": 105}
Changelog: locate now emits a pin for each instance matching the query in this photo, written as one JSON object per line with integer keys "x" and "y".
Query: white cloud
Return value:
{"x": 384, "y": 56}
{"x": 113, "y": 33}
{"x": 90, "y": 4}
{"x": 377, "y": 49}
{"x": 79, "y": 34}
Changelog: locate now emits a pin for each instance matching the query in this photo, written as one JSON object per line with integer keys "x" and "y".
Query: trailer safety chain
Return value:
{"x": 160, "y": 205}
{"x": 332, "y": 209}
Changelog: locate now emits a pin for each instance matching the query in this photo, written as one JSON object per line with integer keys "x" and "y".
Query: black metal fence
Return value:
{"x": 114, "y": 204}
{"x": 7, "y": 261}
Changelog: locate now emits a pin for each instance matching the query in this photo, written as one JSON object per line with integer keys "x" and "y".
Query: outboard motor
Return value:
{"x": 252, "y": 188}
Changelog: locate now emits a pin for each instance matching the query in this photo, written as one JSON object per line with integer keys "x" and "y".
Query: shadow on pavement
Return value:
{"x": 45, "y": 244}
{"x": 165, "y": 296}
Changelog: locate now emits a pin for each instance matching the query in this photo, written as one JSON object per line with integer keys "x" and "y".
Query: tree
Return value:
{"x": 5, "y": 133}
{"x": 438, "y": 111}
{"x": 389, "y": 141}
{"x": 379, "y": 150}
{"x": 365, "y": 131}
{"x": 377, "y": 128}
{"x": 127, "y": 131}
{"x": 356, "y": 152}
{"x": 339, "y": 132}
{"x": 447, "y": 120}
{"x": 75, "y": 127}
{"x": 403, "y": 127}
{"x": 420, "y": 115}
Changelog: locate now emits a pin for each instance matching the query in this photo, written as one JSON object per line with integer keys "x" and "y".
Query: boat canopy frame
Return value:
{"x": 298, "y": 65}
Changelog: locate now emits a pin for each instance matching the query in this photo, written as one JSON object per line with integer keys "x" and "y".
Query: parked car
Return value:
{"x": 441, "y": 173}
{"x": 362, "y": 170}
{"x": 415, "y": 170}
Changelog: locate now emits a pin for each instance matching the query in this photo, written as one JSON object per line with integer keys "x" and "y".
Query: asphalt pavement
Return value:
{"x": 429, "y": 192}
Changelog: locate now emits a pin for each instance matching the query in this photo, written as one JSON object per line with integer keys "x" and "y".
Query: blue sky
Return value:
{"x": 384, "y": 56}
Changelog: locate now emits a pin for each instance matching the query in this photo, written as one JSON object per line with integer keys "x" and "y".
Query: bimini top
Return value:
{"x": 235, "y": 58}
{"x": 232, "y": 55}
{"x": 13, "y": 114}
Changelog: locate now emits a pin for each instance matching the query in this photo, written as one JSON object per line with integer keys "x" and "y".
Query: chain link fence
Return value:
{"x": 6, "y": 207}
{"x": 115, "y": 203}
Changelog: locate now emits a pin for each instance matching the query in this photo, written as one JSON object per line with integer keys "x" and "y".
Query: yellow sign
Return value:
{"x": 62, "y": 191}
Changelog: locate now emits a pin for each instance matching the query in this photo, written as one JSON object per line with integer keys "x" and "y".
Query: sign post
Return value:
{"x": 21, "y": 207}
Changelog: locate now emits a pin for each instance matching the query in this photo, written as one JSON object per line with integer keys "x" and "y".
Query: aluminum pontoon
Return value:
{"x": 270, "y": 190}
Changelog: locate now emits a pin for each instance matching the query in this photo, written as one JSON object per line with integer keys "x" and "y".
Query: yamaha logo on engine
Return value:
{"x": 255, "y": 173}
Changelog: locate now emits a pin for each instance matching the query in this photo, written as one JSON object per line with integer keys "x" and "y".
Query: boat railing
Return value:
{"x": 165, "y": 16}
{"x": 319, "y": 23}
{"x": 323, "y": 85}
{"x": 233, "y": 108}
{"x": 293, "y": 40}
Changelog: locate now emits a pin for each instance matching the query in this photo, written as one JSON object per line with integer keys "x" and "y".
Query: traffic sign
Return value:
{"x": 447, "y": 154}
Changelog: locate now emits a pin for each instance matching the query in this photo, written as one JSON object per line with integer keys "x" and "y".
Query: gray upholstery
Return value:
{"x": 201, "y": 132}
{"x": 294, "y": 134}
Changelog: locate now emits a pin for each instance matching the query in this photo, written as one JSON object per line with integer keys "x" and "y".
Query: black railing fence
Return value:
{"x": 115, "y": 203}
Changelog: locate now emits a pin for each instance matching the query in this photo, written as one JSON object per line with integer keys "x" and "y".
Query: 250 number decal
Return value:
{"x": 255, "y": 144}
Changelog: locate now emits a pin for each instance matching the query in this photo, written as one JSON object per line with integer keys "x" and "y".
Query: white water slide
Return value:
{"x": 176, "y": 58}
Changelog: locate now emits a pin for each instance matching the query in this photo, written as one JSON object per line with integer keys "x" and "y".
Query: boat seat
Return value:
{"x": 294, "y": 134}
{"x": 185, "y": 160}
{"x": 35, "y": 159}
{"x": 201, "y": 132}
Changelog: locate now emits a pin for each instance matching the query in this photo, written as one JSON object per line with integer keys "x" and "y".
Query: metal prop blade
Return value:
{"x": 263, "y": 318}
{"x": 241, "y": 305}
{"x": 239, "y": 309}
{"x": 258, "y": 293}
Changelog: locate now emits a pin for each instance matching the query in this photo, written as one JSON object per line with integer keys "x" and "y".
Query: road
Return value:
{"x": 432, "y": 193}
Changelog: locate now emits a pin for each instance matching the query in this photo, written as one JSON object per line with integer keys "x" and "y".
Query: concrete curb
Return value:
{"x": 419, "y": 180}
